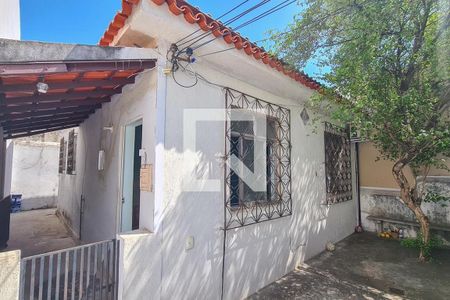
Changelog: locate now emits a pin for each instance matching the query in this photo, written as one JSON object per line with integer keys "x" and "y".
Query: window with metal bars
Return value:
{"x": 71, "y": 152}
{"x": 244, "y": 206}
{"x": 242, "y": 144}
{"x": 62, "y": 156}
{"x": 338, "y": 167}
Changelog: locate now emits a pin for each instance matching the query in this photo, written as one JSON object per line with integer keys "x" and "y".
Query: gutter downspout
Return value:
{"x": 358, "y": 184}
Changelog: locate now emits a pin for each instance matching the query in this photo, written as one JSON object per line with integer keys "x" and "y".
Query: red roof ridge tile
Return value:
{"x": 207, "y": 23}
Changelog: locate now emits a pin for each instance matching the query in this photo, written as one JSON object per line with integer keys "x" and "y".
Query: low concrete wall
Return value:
{"x": 384, "y": 202}
{"x": 139, "y": 265}
{"x": 35, "y": 173}
{"x": 9, "y": 275}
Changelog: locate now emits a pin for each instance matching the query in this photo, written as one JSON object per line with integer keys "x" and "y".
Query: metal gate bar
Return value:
{"x": 79, "y": 273}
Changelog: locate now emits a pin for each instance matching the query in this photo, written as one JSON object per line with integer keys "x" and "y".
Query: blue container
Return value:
{"x": 16, "y": 203}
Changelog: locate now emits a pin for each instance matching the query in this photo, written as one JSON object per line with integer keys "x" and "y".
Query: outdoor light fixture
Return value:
{"x": 42, "y": 87}
{"x": 108, "y": 128}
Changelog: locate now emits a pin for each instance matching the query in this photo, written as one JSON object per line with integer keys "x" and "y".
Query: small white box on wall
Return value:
{"x": 101, "y": 160}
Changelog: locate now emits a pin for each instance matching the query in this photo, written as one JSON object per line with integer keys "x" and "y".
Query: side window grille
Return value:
{"x": 71, "y": 152}
{"x": 338, "y": 167}
{"x": 62, "y": 156}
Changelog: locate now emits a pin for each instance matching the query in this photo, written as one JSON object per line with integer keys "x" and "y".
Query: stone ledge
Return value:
{"x": 377, "y": 191}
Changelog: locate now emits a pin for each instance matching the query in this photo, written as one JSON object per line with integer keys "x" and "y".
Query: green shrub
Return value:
{"x": 417, "y": 243}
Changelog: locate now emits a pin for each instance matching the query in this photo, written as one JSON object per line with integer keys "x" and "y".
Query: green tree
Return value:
{"x": 387, "y": 66}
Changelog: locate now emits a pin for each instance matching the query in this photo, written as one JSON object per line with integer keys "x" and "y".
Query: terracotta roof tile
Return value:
{"x": 192, "y": 15}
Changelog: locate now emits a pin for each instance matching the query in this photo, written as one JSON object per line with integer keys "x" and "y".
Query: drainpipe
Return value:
{"x": 81, "y": 216}
{"x": 358, "y": 185}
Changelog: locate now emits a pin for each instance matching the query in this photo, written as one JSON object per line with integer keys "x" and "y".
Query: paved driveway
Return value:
{"x": 364, "y": 266}
{"x": 38, "y": 231}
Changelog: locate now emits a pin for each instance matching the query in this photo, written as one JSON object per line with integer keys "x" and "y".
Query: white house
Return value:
{"x": 156, "y": 165}
{"x": 182, "y": 249}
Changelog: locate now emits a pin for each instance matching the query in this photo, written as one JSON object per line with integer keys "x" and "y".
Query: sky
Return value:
{"x": 85, "y": 21}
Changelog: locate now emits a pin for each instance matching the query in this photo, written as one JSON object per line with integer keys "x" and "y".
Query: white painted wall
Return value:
{"x": 139, "y": 265}
{"x": 10, "y": 19}
{"x": 35, "y": 173}
{"x": 255, "y": 255}
{"x": 10, "y": 275}
{"x": 102, "y": 189}
{"x": 9, "y": 151}
{"x": 69, "y": 196}
{"x": 6, "y": 151}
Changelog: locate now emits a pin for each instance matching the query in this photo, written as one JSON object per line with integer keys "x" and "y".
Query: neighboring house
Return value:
{"x": 153, "y": 160}
{"x": 35, "y": 159}
{"x": 380, "y": 196}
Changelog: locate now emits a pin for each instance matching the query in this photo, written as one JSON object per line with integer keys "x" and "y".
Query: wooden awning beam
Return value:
{"x": 14, "y": 136}
{"x": 43, "y": 123}
{"x": 39, "y": 119}
{"x": 31, "y": 87}
{"x": 38, "y": 127}
{"x": 53, "y": 112}
{"x": 60, "y": 96}
{"x": 49, "y": 105}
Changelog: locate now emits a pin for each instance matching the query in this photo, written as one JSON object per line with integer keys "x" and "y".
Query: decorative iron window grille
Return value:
{"x": 62, "y": 156}
{"x": 338, "y": 167}
{"x": 243, "y": 206}
{"x": 71, "y": 152}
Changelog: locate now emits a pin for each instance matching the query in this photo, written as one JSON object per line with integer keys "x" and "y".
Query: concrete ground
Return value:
{"x": 364, "y": 266}
{"x": 38, "y": 231}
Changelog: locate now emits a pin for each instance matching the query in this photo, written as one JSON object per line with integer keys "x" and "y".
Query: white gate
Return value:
{"x": 84, "y": 272}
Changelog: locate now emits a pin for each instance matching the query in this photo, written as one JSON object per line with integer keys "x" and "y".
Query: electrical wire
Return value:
{"x": 220, "y": 17}
{"x": 269, "y": 12}
{"x": 215, "y": 52}
{"x": 182, "y": 85}
{"x": 202, "y": 78}
{"x": 257, "y": 18}
{"x": 337, "y": 11}
{"x": 228, "y": 22}
{"x": 231, "y": 48}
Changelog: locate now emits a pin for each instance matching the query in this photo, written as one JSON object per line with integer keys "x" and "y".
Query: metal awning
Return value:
{"x": 38, "y": 97}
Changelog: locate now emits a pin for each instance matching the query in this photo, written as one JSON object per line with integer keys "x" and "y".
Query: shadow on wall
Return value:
{"x": 183, "y": 259}
{"x": 255, "y": 255}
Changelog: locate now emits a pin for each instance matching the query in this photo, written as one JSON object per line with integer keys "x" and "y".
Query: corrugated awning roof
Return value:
{"x": 75, "y": 90}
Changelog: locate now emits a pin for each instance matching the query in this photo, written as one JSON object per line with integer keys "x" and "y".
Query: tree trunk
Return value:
{"x": 425, "y": 230}
{"x": 409, "y": 198}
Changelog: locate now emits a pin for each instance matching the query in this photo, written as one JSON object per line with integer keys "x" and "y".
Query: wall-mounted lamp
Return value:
{"x": 108, "y": 128}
